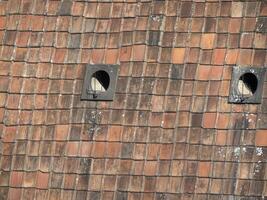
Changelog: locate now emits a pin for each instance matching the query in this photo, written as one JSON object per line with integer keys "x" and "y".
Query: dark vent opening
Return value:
{"x": 247, "y": 84}
{"x": 100, "y": 81}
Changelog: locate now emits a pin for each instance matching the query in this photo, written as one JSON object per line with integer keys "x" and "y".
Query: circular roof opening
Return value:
{"x": 100, "y": 81}
{"x": 247, "y": 84}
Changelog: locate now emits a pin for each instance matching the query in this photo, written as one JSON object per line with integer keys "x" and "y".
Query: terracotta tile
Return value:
{"x": 234, "y": 25}
{"x": 194, "y": 40}
{"x": 166, "y": 151}
{"x": 210, "y": 25}
{"x": 16, "y": 179}
{"x": 156, "y": 119}
{"x": 245, "y": 57}
{"x": 99, "y": 149}
{"x": 168, "y": 120}
{"x": 69, "y": 181}
{"x": 221, "y": 137}
{"x": 186, "y": 9}
{"x": 150, "y": 184}
{"x": 138, "y": 52}
{"x": 152, "y": 151}
{"x": 72, "y": 148}
{"x": 204, "y": 169}
{"x": 231, "y": 56}
{"x": 209, "y": 120}
{"x": 157, "y": 103}
{"x": 187, "y": 88}
{"x": 77, "y": 8}
{"x": 263, "y": 9}
{"x": 61, "y": 132}
{"x": 214, "y": 88}
{"x": 13, "y": 101}
{"x": 203, "y": 72}
{"x": 246, "y": 40}
{"x": 216, "y": 72}
{"x": 9, "y": 134}
{"x": 202, "y": 185}
{"x": 207, "y": 41}
{"x": 237, "y": 9}
{"x": 259, "y": 57}
{"x": 206, "y": 57}
{"x": 260, "y": 139}
{"x": 42, "y": 180}
{"x": 37, "y": 23}
{"x": 15, "y": 193}
{"x": 188, "y": 184}
{"x": 4, "y": 181}
{"x": 178, "y": 55}
{"x": 218, "y": 56}
{"x": 216, "y": 185}
{"x": 162, "y": 183}
{"x": 150, "y": 168}
{"x": 260, "y": 40}
{"x": 113, "y": 149}
{"x": 136, "y": 183}
{"x": 97, "y": 56}
{"x": 40, "y": 101}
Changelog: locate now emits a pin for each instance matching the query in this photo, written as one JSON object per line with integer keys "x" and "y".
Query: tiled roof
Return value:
{"x": 170, "y": 132}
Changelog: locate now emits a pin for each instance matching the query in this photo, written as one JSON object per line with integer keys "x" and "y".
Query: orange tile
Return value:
{"x": 178, "y": 55}
{"x": 261, "y": 138}
{"x": 204, "y": 169}
{"x": 218, "y": 56}
{"x": 203, "y": 72}
{"x": 139, "y": 52}
{"x": 112, "y": 56}
{"x": 209, "y": 120}
{"x": 207, "y": 40}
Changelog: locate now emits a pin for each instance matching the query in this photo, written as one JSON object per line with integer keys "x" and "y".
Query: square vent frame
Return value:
{"x": 106, "y": 76}
{"x": 246, "y": 85}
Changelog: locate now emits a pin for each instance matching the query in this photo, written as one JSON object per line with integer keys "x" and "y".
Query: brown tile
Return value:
{"x": 188, "y": 184}
{"x": 216, "y": 185}
{"x": 210, "y": 24}
{"x": 214, "y": 88}
{"x": 246, "y": 40}
{"x": 245, "y": 57}
{"x": 150, "y": 184}
{"x": 136, "y": 183}
{"x": 152, "y": 151}
{"x": 237, "y": 9}
{"x": 202, "y": 185}
{"x": 263, "y": 9}
{"x": 186, "y": 9}
{"x": 259, "y": 57}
